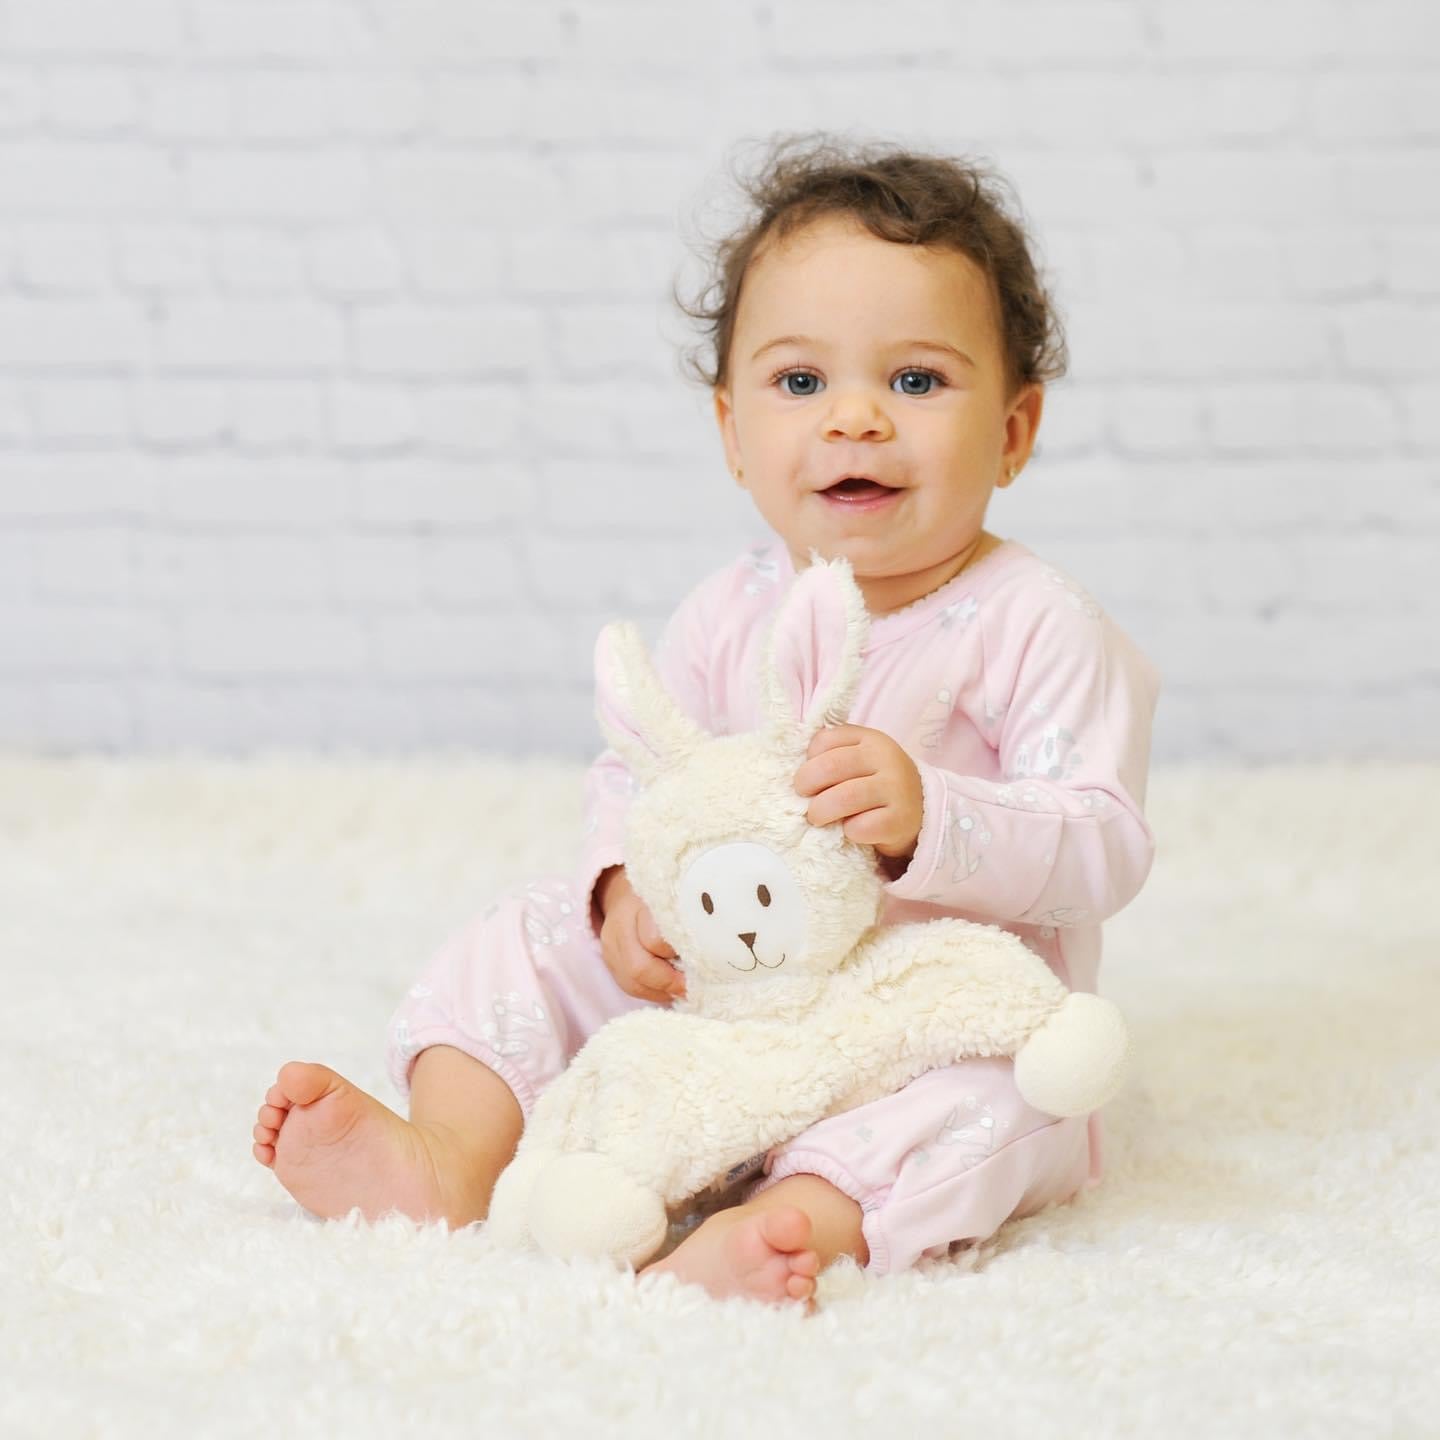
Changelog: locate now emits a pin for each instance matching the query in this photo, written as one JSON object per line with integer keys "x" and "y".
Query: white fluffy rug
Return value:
{"x": 1261, "y": 1259}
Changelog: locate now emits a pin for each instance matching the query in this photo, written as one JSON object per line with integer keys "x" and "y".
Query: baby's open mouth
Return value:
{"x": 858, "y": 487}
{"x": 861, "y": 497}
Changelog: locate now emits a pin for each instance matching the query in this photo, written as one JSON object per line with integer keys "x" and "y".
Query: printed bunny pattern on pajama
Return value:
{"x": 1028, "y": 713}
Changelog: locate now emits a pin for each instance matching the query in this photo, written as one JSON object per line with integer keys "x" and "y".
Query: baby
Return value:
{"x": 878, "y": 374}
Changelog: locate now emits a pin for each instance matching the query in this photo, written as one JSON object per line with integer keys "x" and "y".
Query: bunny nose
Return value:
{"x": 749, "y": 937}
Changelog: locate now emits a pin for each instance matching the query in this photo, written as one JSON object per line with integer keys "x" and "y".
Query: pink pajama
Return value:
{"x": 1027, "y": 712}
{"x": 948, "y": 1158}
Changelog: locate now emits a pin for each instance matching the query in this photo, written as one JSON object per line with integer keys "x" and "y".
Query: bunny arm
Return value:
{"x": 676, "y": 1100}
{"x": 917, "y": 996}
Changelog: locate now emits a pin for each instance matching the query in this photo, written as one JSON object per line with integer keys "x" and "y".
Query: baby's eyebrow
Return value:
{"x": 936, "y": 345}
{"x": 940, "y": 345}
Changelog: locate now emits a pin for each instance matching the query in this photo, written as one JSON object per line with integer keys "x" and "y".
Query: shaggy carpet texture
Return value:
{"x": 1261, "y": 1258}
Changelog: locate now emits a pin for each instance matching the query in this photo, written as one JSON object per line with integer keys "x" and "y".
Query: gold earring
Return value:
{"x": 737, "y": 472}
{"x": 1012, "y": 472}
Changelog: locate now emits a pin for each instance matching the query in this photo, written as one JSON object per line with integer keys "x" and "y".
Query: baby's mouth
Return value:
{"x": 858, "y": 488}
{"x": 861, "y": 497}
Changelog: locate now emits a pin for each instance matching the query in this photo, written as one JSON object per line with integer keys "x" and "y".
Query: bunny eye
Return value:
{"x": 707, "y": 902}
{"x": 764, "y": 894}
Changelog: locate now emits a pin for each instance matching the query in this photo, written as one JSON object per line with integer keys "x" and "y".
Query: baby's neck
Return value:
{"x": 887, "y": 593}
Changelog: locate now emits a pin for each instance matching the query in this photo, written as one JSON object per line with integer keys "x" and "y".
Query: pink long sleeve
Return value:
{"x": 681, "y": 660}
{"x": 1061, "y": 838}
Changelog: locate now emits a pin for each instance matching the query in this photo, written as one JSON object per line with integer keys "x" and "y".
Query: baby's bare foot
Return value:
{"x": 334, "y": 1147}
{"x": 762, "y": 1255}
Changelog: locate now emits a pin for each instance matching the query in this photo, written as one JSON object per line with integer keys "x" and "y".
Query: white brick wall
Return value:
{"x": 338, "y": 391}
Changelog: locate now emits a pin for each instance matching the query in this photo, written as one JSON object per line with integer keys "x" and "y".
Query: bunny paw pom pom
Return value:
{"x": 1076, "y": 1060}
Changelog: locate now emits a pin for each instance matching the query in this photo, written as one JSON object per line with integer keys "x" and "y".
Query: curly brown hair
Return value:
{"x": 906, "y": 196}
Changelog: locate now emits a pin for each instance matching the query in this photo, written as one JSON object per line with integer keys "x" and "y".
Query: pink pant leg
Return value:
{"x": 949, "y": 1157}
{"x": 520, "y": 988}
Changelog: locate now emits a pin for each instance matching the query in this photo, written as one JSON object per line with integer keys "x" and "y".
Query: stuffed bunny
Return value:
{"x": 798, "y": 1005}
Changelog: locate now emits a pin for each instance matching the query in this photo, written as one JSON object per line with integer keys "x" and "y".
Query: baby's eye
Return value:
{"x": 787, "y": 375}
{"x": 924, "y": 375}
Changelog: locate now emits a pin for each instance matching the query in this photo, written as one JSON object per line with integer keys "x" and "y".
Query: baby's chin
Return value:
{"x": 878, "y": 555}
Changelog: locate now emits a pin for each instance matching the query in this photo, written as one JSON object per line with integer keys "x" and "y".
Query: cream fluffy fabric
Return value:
{"x": 1262, "y": 1258}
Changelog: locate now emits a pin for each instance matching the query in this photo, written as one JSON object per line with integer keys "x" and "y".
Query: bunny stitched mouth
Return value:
{"x": 759, "y": 963}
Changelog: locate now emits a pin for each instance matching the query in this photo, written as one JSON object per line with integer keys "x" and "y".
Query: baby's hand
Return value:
{"x": 869, "y": 782}
{"x": 635, "y": 952}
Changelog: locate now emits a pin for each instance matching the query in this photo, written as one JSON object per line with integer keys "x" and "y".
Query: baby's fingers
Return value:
{"x": 655, "y": 973}
{"x": 651, "y": 937}
{"x": 659, "y": 978}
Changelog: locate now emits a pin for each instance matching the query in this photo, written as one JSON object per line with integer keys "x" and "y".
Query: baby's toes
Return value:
{"x": 267, "y": 1128}
{"x": 277, "y": 1099}
{"x": 805, "y": 1262}
{"x": 801, "y": 1287}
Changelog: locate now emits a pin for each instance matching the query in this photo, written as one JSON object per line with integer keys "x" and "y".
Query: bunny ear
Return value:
{"x": 811, "y": 665}
{"x": 636, "y": 713}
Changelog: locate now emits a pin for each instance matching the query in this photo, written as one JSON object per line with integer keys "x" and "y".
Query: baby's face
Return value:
{"x": 857, "y": 398}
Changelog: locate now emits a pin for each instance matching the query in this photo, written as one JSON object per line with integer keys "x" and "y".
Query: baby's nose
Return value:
{"x": 749, "y": 937}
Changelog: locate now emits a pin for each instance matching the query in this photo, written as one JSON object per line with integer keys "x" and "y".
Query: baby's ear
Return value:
{"x": 636, "y": 713}
{"x": 811, "y": 664}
